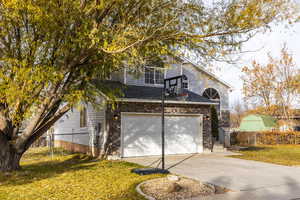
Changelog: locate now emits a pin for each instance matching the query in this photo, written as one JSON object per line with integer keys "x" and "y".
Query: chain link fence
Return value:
{"x": 68, "y": 142}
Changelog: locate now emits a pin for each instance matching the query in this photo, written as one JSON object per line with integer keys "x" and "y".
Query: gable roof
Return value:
{"x": 258, "y": 123}
{"x": 205, "y": 71}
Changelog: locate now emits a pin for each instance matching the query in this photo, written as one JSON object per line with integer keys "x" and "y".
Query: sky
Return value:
{"x": 257, "y": 49}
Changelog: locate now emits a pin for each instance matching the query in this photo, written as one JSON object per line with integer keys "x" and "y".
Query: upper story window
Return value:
{"x": 154, "y": 75}
{"x": 185, "y": 85}
{"x": 211, "y": 94}
{"x": 83, "y": 118}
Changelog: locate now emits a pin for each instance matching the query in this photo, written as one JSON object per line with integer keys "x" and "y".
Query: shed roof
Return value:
{"x": 258, "y": 123}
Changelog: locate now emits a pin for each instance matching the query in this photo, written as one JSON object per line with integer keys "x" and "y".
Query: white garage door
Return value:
{"x": 141, "y": 134}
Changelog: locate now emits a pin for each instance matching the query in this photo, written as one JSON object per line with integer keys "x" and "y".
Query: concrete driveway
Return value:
{"x": 247, "y": 179}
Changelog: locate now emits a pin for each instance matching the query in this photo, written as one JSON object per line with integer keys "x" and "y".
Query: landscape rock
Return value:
{"x": 173, "y": 178}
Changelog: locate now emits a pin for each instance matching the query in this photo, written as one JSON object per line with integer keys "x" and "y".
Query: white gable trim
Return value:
{"x": 207, "y": 72}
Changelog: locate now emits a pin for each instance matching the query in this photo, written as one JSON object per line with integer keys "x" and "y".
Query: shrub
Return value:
{"x": 214, "y": 122}
{"x": 266, "y": 137}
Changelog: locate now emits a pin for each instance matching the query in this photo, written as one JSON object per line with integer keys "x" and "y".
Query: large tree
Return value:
{"x": 52, "y": 50}
{"x": 274, "y": 86}
{"x": 237, "y": 113}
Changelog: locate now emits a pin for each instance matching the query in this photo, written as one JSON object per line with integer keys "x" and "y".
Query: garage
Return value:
{"x": 141, "y": 134}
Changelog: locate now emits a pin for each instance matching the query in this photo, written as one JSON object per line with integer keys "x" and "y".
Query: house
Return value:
{"x": 133, "y": 127}
{"x": 255, "y": 123}
{"x": 291, "y": 124}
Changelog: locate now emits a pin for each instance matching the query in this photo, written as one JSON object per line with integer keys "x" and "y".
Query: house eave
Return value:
{"x": 229, "y": 86}
{"x": 166, "y": 101}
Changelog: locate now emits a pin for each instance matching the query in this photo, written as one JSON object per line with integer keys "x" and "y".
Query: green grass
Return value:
{"x": 70, "y": 177}
{"x": 278, "y": 154}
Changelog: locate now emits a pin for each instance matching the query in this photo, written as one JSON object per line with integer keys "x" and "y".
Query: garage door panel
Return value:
{"x": 142, "y": 135}
{"x": 183, "y": 133}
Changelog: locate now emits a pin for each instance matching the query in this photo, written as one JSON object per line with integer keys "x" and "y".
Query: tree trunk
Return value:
{"x": 9, "y": 158}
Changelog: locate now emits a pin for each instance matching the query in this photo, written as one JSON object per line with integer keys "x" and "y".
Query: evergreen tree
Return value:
{"x": 214, "y": 122}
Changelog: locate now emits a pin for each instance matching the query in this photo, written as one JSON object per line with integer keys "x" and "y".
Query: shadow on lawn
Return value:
{"x": 255, "y": 148}
{"x": 43, "y": 170}
{"x": 42, "y": 153}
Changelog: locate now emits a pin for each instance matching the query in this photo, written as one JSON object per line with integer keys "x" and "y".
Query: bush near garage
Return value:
{"x": 265, "y": 138}
{"x": 214, "y": 122}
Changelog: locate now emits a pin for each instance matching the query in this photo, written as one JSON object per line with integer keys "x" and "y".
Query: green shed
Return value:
{"x": 258, "y": 123}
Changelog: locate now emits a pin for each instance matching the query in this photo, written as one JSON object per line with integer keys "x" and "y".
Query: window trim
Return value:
{"x": 215, "y": 100}
{"x": 154, "y": 68}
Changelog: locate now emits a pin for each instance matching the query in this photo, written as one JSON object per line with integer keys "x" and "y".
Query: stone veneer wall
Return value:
{"x": 113, "y": 118}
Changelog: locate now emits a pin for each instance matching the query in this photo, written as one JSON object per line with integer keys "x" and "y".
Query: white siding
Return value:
{"x": 199, "y": 81}
{"x": 118, "y": 76}
{"x": 68, "y": 127}
{"x": 135, "y": 79}
{"x": 173, "y": 70}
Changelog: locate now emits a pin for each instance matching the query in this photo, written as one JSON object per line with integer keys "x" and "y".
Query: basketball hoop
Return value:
{"x": 173, "y": 87}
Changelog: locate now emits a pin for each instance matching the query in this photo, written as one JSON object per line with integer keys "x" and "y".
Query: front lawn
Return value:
{"x": 70, "y": 177}
{"x": 278, "y": 154}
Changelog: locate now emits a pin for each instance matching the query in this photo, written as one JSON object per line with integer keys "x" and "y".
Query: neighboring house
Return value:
{"x": 254, "y": 123}
{"x": 133, "y": 128}
{"x": 291, "y": 124}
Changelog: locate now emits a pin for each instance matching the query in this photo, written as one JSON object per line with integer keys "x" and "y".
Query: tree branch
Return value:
{"x": 45, "y": 126}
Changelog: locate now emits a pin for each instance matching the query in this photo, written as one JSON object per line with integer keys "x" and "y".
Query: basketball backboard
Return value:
{"x": 174, "y": 86}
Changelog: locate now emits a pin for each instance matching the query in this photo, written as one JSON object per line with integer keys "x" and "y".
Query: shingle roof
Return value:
{"x": 151, "y": 93}
{"x": 155, "y": 93}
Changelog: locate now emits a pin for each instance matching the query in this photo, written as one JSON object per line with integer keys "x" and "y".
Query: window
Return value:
{"x": 83, "y": 118}
{"x": 185, "y": 85}
{"x": 154, "y": 76}
{"x": 211, "y": 94}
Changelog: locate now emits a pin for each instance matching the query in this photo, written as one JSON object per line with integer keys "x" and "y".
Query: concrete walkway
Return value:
{"x": 248, "y": 179}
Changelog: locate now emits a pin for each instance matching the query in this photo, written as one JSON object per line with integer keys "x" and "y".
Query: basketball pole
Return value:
{"x": 170, "y": 93}
{"x": 163, "y": 127}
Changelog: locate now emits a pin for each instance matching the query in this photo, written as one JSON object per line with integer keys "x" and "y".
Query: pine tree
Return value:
{"x": 214, "y": 122}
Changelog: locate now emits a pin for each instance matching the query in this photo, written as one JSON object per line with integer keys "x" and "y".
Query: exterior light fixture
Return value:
{"x": 207, "y": 117}
{"x": 116, "y": 117}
